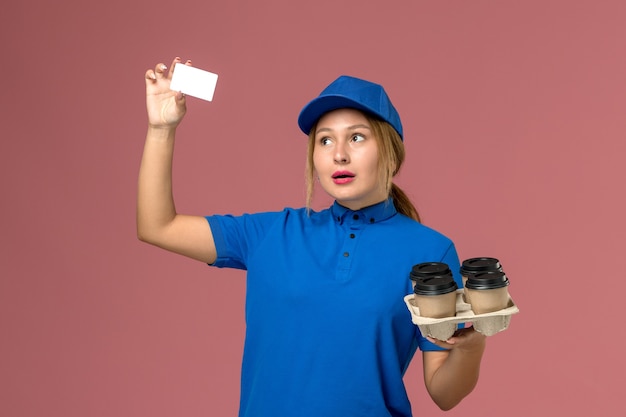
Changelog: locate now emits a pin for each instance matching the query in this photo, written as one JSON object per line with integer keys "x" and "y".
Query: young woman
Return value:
{"x": 327, "y": 331}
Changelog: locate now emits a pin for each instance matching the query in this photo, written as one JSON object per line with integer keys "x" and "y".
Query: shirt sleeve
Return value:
{"x": 236, "y": 237}
{"x": 451, "y": 258}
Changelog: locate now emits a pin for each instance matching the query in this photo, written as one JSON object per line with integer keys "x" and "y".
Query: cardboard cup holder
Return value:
{"x": 443, "y": 328}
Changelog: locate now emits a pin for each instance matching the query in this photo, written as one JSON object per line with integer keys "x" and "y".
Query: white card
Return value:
{"x": 193, "y": 81}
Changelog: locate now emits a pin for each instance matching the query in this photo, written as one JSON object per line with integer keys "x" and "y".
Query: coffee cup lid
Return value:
{"x": 487, "y": 280}
{"x": 476, "y": 265}
{"x": 429, "y": 269}
{"x": 435, "y": 285}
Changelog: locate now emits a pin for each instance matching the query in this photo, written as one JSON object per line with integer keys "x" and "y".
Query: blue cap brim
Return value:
{"x": 353, "y": 93}
{"x": 318, "y": 107}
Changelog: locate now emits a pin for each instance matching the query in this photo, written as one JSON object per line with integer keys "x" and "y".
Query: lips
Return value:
{"x": 342, "y": 177}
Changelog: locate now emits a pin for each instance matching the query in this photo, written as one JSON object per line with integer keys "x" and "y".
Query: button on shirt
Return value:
{"x": 327, "y": 330}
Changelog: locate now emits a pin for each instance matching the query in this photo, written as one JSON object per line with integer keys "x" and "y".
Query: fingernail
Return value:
{"x": 163, "y": 67}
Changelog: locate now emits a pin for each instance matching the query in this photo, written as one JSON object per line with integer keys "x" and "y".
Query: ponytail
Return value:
{"x": 403, "y": 203}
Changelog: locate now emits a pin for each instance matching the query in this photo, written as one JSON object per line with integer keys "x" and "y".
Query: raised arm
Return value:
{"x": 451, "y": 375}
{"x": 158, "y": 223}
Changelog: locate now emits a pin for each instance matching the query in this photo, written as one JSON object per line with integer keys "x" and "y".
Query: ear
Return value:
{"x": 394, "y": 171}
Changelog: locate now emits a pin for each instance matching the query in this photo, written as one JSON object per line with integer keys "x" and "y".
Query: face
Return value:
{"x": 345, "y": 158}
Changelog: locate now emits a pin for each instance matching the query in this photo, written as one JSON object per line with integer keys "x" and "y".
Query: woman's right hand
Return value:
{"x": 166, "y": 108}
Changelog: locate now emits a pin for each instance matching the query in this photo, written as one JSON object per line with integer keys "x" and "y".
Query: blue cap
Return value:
{"x": 354, "y": 93}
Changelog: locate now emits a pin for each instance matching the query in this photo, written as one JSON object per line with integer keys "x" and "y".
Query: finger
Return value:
{"x": 440, "y": 343}
{"x": 458, "y": 335}
{"x": 188, "y": 63}
{"x": 174, "y": 62}
{"x": 150, "y": 76}
{"x": 159, "y": 70}
{"x": 180, "y": 98}
{"x": 452, "y": 340}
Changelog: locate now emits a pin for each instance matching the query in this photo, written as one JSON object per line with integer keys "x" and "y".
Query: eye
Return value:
{"x": 357, "y": 137}
{"x": 324, "y": 141}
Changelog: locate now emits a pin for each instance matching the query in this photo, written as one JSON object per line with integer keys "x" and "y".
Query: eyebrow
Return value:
{"x": 353, "y": 127}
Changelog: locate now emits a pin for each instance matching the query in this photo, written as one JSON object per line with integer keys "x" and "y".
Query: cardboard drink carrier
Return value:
{"x": 443, "y": 328}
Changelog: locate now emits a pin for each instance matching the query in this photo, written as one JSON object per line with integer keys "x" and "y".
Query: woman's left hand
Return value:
{"x": 467, "y": 339}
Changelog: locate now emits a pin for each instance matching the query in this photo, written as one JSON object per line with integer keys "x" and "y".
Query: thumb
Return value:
{"x": 181, "y": 100}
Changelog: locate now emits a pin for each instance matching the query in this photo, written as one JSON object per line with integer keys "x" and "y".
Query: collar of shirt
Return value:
{"x": 371, "y": 214}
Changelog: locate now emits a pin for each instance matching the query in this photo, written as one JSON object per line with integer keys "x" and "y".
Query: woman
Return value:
{"x": 327, "y": 332}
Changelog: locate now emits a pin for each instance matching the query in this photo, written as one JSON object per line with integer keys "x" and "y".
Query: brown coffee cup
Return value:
{"x": 488, "y": 291}
{"x": 473, "y": 266}
{"x": 436, "y": 296}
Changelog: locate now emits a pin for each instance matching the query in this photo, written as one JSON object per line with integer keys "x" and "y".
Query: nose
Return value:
{"x": 341, "y": 154}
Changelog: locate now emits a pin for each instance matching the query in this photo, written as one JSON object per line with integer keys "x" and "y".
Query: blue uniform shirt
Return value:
{"x": 327, "y": 330}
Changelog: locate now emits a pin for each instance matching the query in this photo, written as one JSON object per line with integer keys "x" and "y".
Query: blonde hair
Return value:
{"x": 391, "y": 155}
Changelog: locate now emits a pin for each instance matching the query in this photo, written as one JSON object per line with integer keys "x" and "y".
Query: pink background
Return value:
{"x": 514, "y": 114}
